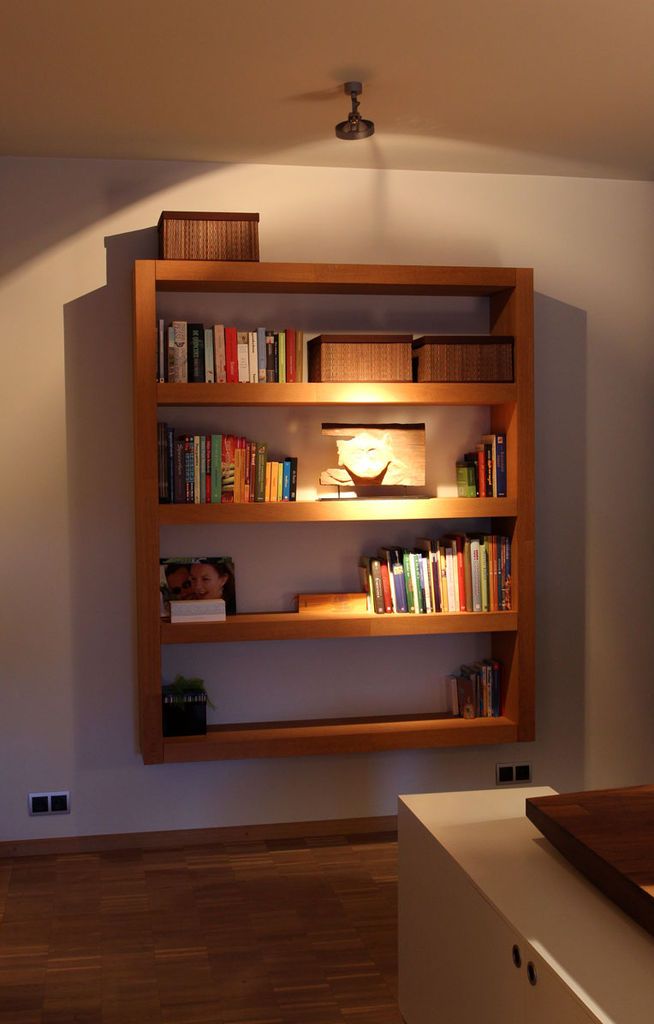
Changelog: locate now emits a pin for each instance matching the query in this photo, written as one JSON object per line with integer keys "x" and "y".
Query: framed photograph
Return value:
{"x": 377, "y": 454}
{"x": 205, "y": 578}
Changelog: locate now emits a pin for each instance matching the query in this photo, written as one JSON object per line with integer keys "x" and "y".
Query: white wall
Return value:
{"x": 67, "y": 713}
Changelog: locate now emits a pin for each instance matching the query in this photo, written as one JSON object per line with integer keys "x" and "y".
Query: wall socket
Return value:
{"x": 513, "y": 774}
{"x": 49, "y": 803}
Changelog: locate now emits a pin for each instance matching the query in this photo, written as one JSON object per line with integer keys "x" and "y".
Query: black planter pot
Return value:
{"x": 185, "y": 715}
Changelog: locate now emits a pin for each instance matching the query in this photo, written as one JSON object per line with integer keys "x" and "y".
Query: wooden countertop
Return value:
{"x": 608, "y": 835}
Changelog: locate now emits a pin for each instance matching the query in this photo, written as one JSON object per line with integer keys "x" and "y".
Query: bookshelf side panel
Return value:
{"x": 147, "y": 512}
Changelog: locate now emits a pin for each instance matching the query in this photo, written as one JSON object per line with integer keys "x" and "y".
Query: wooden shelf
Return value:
{"x": 330, "y": 278}
{"x": 337, "y": 736}
{"x": 360, "y": 510}
{"x": 335, "y": 394}
{"x": 293, "y": 626}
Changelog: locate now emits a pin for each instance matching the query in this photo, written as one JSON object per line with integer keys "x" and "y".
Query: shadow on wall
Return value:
{"x": 98, "y": 361}
{"x": 59, "y": 198}
{"x": 560, "y": 357}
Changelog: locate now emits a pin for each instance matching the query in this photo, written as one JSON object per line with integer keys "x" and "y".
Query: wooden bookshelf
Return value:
{"x": 335, "y": 394}
{"x": 307, "y": 626}
{"x": 360, "y": 510}
{"x": 343, "y": 736}
{"x": 510, "y": 295}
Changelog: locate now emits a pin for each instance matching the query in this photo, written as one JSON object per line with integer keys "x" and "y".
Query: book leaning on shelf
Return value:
{"x": 221, "y": 468}
{"x": 195, "y": 353}
{"x": 454, "y": 573}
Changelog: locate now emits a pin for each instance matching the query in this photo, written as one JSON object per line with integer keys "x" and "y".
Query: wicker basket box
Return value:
{"x": 208, "y": 236}
{"x": 360, "y": 357}
{"x": 459, "y": 359}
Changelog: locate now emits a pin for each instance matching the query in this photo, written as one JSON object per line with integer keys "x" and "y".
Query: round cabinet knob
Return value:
{"x": 532, "y": 974}
{"x": 516, "y": 957}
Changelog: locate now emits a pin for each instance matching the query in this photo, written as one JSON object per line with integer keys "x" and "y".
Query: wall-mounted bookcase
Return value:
{"x": 510, "y": 303}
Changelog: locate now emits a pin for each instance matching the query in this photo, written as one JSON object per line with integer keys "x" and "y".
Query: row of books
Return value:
{"x": 476, "y": 691}
{"x": 482, "y": 472}
{"x": 456, "y": 573}
{"x": 220, "y": 468}
{"x": 190, "y": 353}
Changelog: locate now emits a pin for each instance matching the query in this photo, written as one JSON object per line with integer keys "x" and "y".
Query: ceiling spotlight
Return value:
{"x": 356, "y": 127}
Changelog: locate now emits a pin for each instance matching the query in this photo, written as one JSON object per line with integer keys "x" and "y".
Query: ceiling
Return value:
{"x": 517, "y": 86}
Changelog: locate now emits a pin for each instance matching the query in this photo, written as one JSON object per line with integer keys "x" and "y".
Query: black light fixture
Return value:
{"x": 356, "y": 127}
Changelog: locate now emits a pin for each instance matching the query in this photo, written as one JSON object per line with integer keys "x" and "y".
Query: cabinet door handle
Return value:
{"x": 516, "y": 956}
{"x": 531, "y": 973}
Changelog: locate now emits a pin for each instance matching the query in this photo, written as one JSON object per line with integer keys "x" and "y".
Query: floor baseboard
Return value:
{"x": 197, "y": 836}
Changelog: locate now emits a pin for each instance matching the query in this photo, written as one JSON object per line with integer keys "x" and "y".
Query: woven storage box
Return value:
{"x": 208, "y": 236}
{"x": 459, "y": 359}
{"x": 360, "y": 357}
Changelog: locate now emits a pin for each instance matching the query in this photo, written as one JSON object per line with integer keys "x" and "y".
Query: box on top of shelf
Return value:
{"x": 360, "y": 358}
{"x": 208, "y": 236}
{"x": 461, "y": 358}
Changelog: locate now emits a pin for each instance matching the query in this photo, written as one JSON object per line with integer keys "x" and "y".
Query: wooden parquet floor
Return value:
{"x": 283, "y": 932}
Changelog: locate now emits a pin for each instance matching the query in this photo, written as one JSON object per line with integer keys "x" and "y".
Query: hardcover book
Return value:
{"x": 227, "y": 468}
{"x": 231, "y": 355}
{"x": 195, "y": 343}
{"x": 179, "y": 368}
{"x": 219, "y": 353}
{"x": 209, "y": 356}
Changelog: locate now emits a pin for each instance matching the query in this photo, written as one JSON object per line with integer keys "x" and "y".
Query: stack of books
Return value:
{"x": 213, "y": 468}
{"x": 456, "y": 573}
{"x": 190, "y": 353}
{"x": 482, "y": 472}
{"x": 476, "y": 691}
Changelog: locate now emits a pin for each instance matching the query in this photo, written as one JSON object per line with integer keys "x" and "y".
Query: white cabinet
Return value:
{"x": 455, "y": 951}
{"x": 496, "y": 928}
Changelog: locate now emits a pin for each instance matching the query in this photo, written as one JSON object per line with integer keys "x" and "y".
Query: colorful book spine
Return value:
{"x": 231, "y": 355}
{"x": 386, "y": 586}
{"x": 229, "y": 449}
{"x": 216, "y": 467}
{"x": 243, "y": 356}
{"x": 197, "y": 494}
{"x": 179, "y": 484}
{"x": 293, "y": 485}
{"x": 261, "y": 355}
{"x": 270, "y": 357}
{"x": 209, "y": 356}
{"x": 253, "y": 357}
{"x": 180, "y": 356}
{"x": 260, "y": 471}
{"x": 195, "y": 343}
{"x": 290, "y": 357}
{"x": 219, "y": 353}
{"x": 500, "y": 465}
{"x": 377, "y": 587}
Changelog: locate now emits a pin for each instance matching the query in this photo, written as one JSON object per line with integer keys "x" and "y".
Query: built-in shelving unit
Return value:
{"x": 510, "y": 294}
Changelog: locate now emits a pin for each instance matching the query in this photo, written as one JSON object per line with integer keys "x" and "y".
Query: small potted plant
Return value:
{"x": 184, "y": 707}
